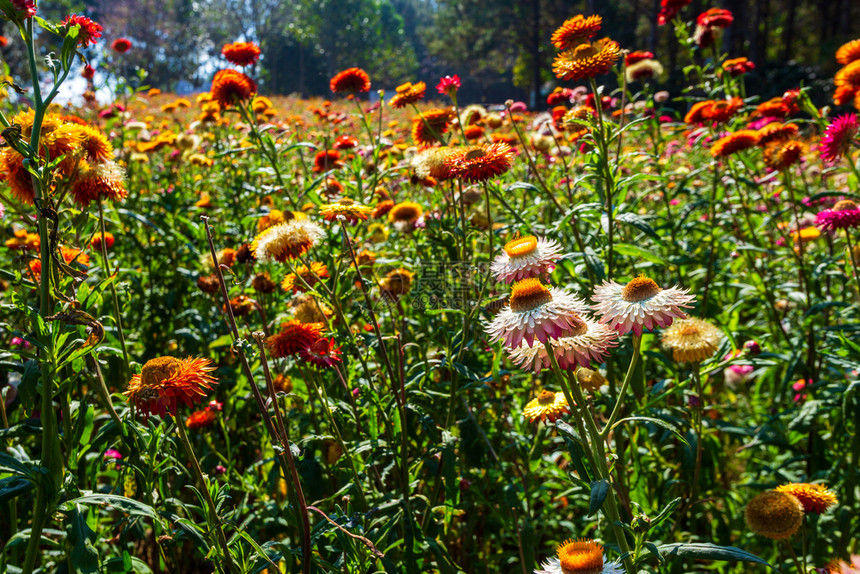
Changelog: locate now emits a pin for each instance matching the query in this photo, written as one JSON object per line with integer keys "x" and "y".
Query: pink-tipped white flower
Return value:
{"x": 641, "y": 304}
{"x": 526, "y": 257}
{"x": 578, "y": 348}
{"x": 536, "y": 312}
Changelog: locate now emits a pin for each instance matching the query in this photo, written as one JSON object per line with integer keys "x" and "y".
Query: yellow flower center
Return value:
{"x": 690, "y": 331}
{"x": 156, "y": 371}
{"x": 521, "y": 246}
{"x": 639, "y": 289}
{"x": 529, "y": 294}
{"x": 845, "y": 205}
{"x": 475, "y": 153}
{"x": 584, "y": 51}
{"x": 546, "y": 398}
{"x": 581, "y": 557}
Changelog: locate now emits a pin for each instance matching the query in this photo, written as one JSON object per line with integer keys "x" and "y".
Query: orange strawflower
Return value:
{"x": 105, "y": 181}
{"x": 350, "y": 81}
{"x": 575, "y": 30}
{"x": 166, "y": 382}
{"x": 586, "y": 60}
{"x": 733, "y": 143}
{"x": 698, "y": 112}
{"x": 479, "y": 163}
{"x": 815, "y": 498}
{"x": 303, "y": 277}
{"x": 96, "y": 241}
{"x": 722, "y": 111}
{"x": 848, "y": 52}
{"x": 428, "y": 128}
{"x": 230, "y": 87}
{"x": 782, "y": 155}
{"x": 201, "y": 419}
{"x": 408, "y": 93}
{"x": 776, "y": 131}
{"x": 241, "y": 53}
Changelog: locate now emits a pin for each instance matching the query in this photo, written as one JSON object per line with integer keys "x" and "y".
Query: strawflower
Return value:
{"x": 579, "y": 557}
{"x": 121, "y": 45}
{"x": 449, "y": 85}
{"x": 166, "y": 382}
{"x": 350, "y": 81}
{"x": 692, "y": 340}
{"x": 640, "y": 304}
{"x": 345, "y": 209}
{"x": 547, "y": 406}
{"x": 535, "y": 312}
{"x": 89, "y": 32}
{"x": 525, "y": 257}
{"x": 480, "y": 163}
{"x": 776, "y": 515}
{"x": 815, "y": 498}
{"x": 838, "y": 137}
{"x": 844, "y": 215}
{"x": 241, "y": 53}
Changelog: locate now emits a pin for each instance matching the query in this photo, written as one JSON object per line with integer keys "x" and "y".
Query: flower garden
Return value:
{"x": 387, "y": 332}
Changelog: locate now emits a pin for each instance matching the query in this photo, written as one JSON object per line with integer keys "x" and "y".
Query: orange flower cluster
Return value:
{"x": 719, "y": 111}
{"x": 848, "y": 78}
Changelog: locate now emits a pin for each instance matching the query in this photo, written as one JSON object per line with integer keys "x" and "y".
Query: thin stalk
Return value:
{"x": 239, "y": 347}
{"x": 109, "y": 272}
{"x": 619, "y": 403}
{"x": 852, "y": 262}
{"x": 288, "y": 453}
{"x": 576, "y": 400}
{"x": 207, "y": 496}
{"x": 608, "y": 179}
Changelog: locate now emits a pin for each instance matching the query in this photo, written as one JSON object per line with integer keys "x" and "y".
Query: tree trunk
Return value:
{"x": 536, "y": 57}
{"x": 788, "y": 34}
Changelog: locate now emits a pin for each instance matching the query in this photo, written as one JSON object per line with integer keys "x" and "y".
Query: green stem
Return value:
{"x": 571, "y": 387}
{"x": 109, "y": 273}
{"x": 619, "y": 403}
{"x": 204, "y": 489}
{"x": 852, "y": 262}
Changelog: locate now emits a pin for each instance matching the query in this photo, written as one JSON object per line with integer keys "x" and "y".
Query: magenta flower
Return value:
{"x": 112, "y": 454}
{"x": 844, "y": 215}
{"x": 449, "y": 85}
{"x": 26, "y": 7}
{"x": 838, "y": 137}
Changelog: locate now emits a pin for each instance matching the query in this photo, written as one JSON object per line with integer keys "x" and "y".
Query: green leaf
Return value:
{"x": 658, "y": 422}
{"x": 634, "y": 251}
{"x": 708, "y": 551}
{"x": 665, "y": 513}
{"x": 639, "y": 223}
{"x": 84, "y": 556}
{"x": 599, "y": 491}
{"x": 122, "y": 503}
{"x": 14, "y": 486}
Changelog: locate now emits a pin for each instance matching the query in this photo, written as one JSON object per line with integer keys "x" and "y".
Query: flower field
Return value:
{"x": 391, "y": 332}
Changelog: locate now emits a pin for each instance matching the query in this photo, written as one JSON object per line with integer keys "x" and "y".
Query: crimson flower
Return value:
{"x": 449, "y": 85}
{"x": 90, "y": 31}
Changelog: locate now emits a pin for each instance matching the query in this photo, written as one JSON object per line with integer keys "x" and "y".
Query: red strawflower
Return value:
{"x": 27, "y": 8}
{"x": 322, "y": 353}
{"x": 738, "y": 66}
{"x": 326, "y": 160}
{"x": 669, "y": 9}
{"x": 293, "y": 337}
{"x": 201, "y": 419}
{"x": 90, "y": 31}
{"x": 121, "y": 45}
{"x": 88, "y": 72}
{"x": 715, "y": 18}
{"x": 4, "y": 41}
{"x": 638, "y": 56}
{"x": 449, "y": 85}
{"x": 345, "y": 142}
{"x": 559, "y": 96}
{"x": 241, "y": 53}
{"x": 350, "y": 81}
